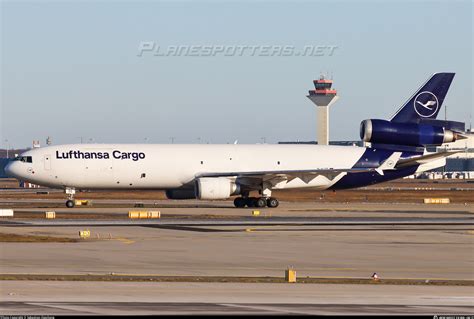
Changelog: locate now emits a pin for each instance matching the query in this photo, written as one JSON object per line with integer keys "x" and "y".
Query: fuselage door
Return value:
{"x": 47, "y": 162}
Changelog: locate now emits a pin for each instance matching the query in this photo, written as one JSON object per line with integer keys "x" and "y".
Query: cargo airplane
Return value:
{"x": 393, "y": 149}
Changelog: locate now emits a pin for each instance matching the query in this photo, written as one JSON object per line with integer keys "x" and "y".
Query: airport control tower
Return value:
{"x": 323, "y": 96}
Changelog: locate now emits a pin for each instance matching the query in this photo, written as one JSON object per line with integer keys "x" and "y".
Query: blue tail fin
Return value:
{"x": 426, "y": 102}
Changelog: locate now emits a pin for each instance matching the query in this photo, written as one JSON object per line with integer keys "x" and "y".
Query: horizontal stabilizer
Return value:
{"x": 423, "y": 159}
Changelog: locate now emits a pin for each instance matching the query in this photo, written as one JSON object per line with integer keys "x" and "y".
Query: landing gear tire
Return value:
{"x": 250, "y": 201}
{"x": 70, "y": 203}
{"x": 239, "y": 202}
{"x": 272, "y": 202}
{"x": 260, "y": 202}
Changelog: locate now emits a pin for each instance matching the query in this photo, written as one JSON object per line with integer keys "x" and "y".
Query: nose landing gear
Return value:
{"x": 70, "y": 192}
{"x": 70, "y": 203}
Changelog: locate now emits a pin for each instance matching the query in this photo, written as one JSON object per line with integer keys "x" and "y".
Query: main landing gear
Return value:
{"x": 70, "y": 192}
{"x": 241, "y": 202}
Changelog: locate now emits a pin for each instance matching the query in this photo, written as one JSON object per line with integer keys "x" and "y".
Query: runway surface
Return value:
{"x": 247, "y": 221}
{"x": 314, "y": 204}
{"x": 225, "y": 308}
{"x": 256, "y": 252}
{"x": 56, "y": 298}
{"x": 214, "y": 239}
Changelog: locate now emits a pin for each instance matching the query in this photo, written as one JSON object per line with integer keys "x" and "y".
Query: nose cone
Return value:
{"x": 10, "y": 169}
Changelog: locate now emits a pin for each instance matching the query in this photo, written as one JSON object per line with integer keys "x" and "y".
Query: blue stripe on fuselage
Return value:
{"x": 372, "y": 158}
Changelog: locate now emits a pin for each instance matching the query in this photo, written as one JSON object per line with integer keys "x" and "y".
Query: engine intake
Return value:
{"x": 385, "y": 132}
{"x": 216, "y": 188}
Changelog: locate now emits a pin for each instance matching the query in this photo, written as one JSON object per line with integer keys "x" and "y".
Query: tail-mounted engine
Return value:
{"x": 410, "y": 134}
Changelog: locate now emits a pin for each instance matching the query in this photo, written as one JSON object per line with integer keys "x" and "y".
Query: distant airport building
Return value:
{"x": 28, "y": 185}
{"x": 323, "y": 96}
{"x": 3, "y": 163}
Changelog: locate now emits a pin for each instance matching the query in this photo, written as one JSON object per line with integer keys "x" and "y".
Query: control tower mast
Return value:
{"x": 323, "y": 96}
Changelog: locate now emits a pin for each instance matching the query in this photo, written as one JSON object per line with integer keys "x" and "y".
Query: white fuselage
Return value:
{"x": 169, "y": 166}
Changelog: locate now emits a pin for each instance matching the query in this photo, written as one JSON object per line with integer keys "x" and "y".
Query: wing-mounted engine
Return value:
{"x": 409, "y": 134}
{"x": 216, "y": 188}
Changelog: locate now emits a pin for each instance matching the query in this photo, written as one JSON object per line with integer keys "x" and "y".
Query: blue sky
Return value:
{"x": 70, "y": 69}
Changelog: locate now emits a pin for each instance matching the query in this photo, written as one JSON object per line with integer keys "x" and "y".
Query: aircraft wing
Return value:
{"x": 275, "y": 177}
{"x": 325, "y": 172}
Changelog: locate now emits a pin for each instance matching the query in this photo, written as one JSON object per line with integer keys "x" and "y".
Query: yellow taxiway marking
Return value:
{"x": 125, "y": 240}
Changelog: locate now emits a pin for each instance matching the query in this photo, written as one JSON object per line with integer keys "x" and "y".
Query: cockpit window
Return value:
{"x": 25, "y": 159}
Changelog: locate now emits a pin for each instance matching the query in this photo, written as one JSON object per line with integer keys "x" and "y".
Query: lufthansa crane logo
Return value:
{"x": 426, "y": 104}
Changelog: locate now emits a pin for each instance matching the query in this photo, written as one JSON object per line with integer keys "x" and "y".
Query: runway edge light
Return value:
{"x": 290, "y": 275}
{"x": 436, "y": 201}
{"x": 6, "y": 212}
{"x": 84, "y": 234}
{"x": 137, "y": 214}
{"x": 50, "y": 215}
